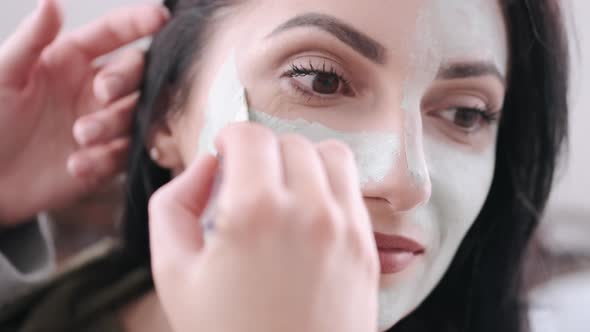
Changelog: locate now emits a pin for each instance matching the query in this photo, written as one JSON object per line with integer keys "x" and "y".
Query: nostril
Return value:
{"x": 413, "y": 198}
{"x": 405, "y": 188}
{"x": 401, "y": 193}
{"x": 425, "y": 192}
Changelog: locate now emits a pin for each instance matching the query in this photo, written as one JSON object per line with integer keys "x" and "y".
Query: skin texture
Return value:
{"x": 437, "y": 187}
{"x": 64, "y": 141}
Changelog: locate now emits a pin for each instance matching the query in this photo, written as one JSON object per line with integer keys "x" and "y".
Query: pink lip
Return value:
{"x": 396, "y": 252}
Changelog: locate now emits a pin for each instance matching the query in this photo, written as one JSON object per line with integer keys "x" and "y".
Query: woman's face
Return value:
{"x": 414, "y": 87}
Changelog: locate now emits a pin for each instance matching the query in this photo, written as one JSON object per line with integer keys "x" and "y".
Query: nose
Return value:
{"x": 407, "y": 185}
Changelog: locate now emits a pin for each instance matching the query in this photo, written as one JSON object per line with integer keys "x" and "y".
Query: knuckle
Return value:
{"x": 134, "y": 27}
{"x": 105, "y": 174}
{"x": 326, "y": 225}
{"x": 363, "y": 248}
{"x": 128, "y": 64}
{"x": 157, "y": 202}
{"x": 356, "y": 240}
{"x": 152, "y": 18}
{"x": 295, "y": 140}
{"x": 134, "y": 56}
{"x": 336, "y": 150}
{"x": 372, "y": 264}
{"x": 112, "y": 162}
{"x": 252, "y": 212}
{"x": 251, "y": 133}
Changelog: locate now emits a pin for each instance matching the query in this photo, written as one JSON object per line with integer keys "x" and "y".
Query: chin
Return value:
{"x": 392, "y": 311}
{"x": 400, "y": 294}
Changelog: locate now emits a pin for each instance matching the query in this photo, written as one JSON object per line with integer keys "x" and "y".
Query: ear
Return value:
{"x": 164, "y": 149}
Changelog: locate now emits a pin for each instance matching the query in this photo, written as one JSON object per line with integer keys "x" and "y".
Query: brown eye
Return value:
{"x": 325, "y": 83}
{"x": 467, "y": 117}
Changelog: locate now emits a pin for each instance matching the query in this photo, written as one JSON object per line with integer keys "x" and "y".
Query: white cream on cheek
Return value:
{"x": 375, "y": 153}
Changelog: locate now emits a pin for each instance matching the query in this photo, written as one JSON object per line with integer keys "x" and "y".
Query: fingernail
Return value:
{"x": 110, "y": 88}
{"x": 87, "y": 132}
{"x": 79, "y": 167}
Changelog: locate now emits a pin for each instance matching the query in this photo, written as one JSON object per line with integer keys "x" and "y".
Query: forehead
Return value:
{"x": 452, "y": 29}
{"x": 473, "y": 29}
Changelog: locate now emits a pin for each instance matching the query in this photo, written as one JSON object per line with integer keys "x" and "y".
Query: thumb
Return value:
{"x": 20, "y": 52}
{"x": 175, "y": 210}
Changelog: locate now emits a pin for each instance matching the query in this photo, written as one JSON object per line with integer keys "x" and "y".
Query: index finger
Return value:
{"x": 119, "y": 28}
{"x": 21, "y": 50}
{"x": 174, "y": 210}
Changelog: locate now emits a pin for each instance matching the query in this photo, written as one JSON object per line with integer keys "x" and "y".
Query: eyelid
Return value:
{"x": 484, "y": 114}
{"x": 486, "y": 119}
{"x": 477, "y": 91}
{"x": 466, "y": 100}
{"x": 318, "y": 63}
{"x": 316, "y": 99}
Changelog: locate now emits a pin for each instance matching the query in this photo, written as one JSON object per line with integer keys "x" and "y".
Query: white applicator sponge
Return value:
{"x": 227, "y": 103}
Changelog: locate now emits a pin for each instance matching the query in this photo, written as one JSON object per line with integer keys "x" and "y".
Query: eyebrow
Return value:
{"x": 361, "y": 43}
{"x": 469, "y": 69}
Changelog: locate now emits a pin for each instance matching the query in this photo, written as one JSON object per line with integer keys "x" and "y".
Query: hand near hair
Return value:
{"x": 292, "y": 248}
{"x": 64, "y": 121}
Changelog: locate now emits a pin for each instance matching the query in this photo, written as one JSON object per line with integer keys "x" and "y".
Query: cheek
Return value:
{"x": 461, "y": 180}
{"x": 460, "y": 185}
{"x": 375, "y": 152}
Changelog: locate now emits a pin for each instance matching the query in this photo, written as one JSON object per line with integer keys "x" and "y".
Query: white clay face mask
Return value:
{"x": 375, "y": 153}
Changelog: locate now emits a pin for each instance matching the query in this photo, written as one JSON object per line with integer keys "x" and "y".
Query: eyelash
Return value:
{"x": 301, "y": 71}
{"x": 486, "y": 115}
{"x": 297, "y": 71}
